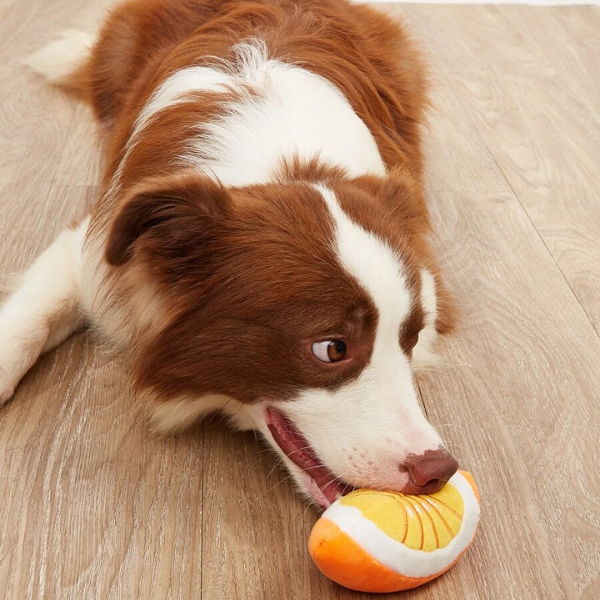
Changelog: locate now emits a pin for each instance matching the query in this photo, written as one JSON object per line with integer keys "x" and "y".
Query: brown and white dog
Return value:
{"x": 260, "y": 243}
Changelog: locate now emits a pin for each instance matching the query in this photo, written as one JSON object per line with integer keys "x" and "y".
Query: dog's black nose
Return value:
{"x": 429, "y": 471}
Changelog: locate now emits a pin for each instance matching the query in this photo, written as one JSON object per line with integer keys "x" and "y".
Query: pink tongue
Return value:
{"x": 298, "y": 450}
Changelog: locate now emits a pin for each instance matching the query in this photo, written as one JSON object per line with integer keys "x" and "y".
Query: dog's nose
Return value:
{"x": 428, "y": 472}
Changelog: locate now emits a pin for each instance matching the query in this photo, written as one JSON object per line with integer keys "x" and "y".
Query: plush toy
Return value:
{"x": 373, "y": 541}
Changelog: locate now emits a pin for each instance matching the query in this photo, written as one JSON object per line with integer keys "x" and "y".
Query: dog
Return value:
{"x": 260, "y": 246}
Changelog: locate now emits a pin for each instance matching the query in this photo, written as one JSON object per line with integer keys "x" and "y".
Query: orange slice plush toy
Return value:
{"x": 373, "y": 541}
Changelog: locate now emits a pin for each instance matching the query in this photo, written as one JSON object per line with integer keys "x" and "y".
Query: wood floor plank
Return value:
{"x": 457, "y": 158}
{"x": 4, "y": 6}
{"x": 521, "y": 118}
{"x": 513, "y": 94}
{"x": 26, "y": 25}
{"x": 37, "y": 128}
{"x": 253, "y": 522}
{"x": 569, "y": 223}
{"x": 537, "y": 115}
{"x": 518, "y": 402}
{"x": 40, "y": 208}
{"x": 92, "y": 504}
{"x": 575, "y": 51}
{"x": 81, "y": 161}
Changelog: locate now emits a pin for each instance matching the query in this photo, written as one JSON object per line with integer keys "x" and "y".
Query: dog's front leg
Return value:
{"x": 44, "y": 309}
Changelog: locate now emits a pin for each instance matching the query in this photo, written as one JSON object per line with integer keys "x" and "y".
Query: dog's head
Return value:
{"x": 295, "y": 307}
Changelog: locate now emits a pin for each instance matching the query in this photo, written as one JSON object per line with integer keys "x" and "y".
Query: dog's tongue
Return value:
{"x": 325, "y": 487}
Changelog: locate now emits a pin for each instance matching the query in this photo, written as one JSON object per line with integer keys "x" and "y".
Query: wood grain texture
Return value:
{"x": 94, "y": 506}
{"x": 530, "y": 87}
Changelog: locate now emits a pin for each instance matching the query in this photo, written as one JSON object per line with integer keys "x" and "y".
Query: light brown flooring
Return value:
{"x": 92, "y": 506}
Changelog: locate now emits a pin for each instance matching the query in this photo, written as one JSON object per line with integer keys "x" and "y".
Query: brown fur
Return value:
{"x": 364, "y": 53}
{"x": 239, "y": 286}
{"x": 245, "y": 277}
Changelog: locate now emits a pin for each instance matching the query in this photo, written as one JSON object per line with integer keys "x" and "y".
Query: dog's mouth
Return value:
{"x": 323, "y": 486}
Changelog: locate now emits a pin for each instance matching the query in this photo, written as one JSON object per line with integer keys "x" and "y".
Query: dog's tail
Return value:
{"x": 64, "y": 61}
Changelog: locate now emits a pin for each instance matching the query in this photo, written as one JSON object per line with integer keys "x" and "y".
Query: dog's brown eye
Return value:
{"x": 329, "y": 350}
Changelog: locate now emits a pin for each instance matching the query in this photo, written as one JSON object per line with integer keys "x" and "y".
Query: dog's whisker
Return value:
{"x": 290, "y": 476}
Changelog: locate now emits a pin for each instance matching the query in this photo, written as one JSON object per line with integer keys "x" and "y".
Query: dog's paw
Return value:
{"x": 14, "y": 363}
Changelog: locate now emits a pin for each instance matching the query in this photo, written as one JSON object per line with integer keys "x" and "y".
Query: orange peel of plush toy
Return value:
{"x": 373, "y": 541}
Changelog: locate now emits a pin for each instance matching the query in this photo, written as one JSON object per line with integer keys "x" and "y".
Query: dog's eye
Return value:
{"x": 330, "y": 350}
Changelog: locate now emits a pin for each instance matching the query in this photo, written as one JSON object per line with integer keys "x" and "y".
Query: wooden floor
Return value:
{"x": 92, "y": 506}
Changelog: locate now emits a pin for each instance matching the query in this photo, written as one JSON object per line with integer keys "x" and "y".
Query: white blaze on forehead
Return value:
{"x": 376, "y": 267}
{"x": 364, "y": 429}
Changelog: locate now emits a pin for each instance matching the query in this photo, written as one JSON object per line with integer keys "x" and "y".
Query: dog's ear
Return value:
{"x": 173, "y": 208}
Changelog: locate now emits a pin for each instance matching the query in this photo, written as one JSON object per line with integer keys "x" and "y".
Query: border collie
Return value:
{"x": 260, "y": 243}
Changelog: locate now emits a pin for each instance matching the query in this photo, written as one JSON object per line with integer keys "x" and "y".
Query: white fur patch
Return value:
{"x": 292, "y": 112}
{"x": 284, "y": 111}
{"x": 376, "y": 266}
